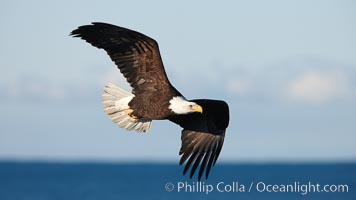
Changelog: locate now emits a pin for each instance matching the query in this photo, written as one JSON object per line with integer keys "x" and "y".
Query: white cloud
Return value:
{"x": 113, "y": 76}
{"x": 319, "y": 86}
{"x": 24, "y": 88}
{"x": 20, "y": 88}
{"x": 238, "y": 87}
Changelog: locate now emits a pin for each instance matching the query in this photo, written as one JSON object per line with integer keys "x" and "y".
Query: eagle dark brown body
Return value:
{"x": 158, "y": 104}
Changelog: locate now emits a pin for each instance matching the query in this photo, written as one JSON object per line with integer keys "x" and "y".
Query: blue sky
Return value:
{"x": 287, "y": 69}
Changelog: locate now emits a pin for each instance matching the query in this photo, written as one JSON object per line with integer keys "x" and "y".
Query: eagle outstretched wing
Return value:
{"x": 135, "y": 54}
{"x": 202, "y": 136}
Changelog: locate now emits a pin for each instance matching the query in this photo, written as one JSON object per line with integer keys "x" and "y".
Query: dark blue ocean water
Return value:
{"x": 42, "y": 181}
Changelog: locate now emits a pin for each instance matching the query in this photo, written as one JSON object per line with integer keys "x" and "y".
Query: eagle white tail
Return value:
{"x": 115, "y": 103}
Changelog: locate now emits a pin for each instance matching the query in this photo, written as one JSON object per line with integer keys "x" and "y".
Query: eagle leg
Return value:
{"x": 129, "y": 113}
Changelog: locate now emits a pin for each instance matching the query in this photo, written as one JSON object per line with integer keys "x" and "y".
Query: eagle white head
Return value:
{"x": 180, "y": 105}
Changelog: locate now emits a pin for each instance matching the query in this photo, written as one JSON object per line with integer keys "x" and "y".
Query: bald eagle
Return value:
{"x": 153, "y": 97}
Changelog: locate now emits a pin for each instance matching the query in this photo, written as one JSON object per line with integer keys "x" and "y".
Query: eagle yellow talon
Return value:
{"x": 129, "y": 113}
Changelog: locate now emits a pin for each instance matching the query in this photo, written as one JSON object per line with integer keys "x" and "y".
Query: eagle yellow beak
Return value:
{"x": 197, "y": 108}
